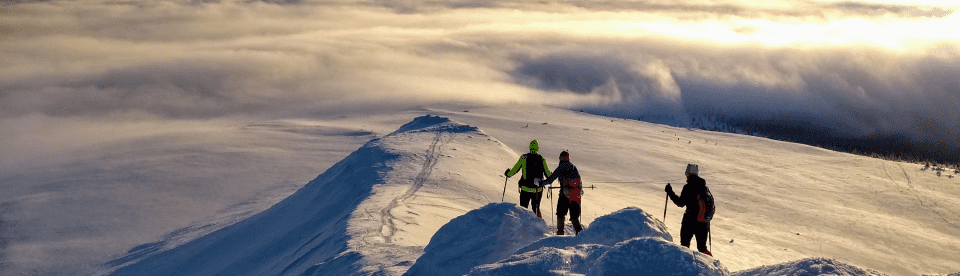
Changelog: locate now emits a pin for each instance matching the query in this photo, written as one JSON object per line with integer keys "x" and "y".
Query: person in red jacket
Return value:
{"x": 693, "y": 224}
{"x": 571, "y": 191}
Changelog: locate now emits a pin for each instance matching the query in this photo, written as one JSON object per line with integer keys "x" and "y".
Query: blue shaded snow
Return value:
{"x": 809, "y": 267}
{"x": 504, "y": 239}
{"x": 481, "y": 236}
{"x": 290, "y": 238}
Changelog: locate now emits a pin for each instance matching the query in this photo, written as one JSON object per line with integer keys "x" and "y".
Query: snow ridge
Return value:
{"x": 405, "y": 204}
{"x": 285, "y": 239}
{"x": 361, "y": 216}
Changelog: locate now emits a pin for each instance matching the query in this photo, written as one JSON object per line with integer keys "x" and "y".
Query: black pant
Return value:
{"x": 689, "y": 229}
{"x": 526, "y": 197}
{"x": 564, "y": 204}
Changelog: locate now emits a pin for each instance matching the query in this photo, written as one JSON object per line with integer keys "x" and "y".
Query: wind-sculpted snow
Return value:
{"x": 809, "y": 267}
{"x": 628, "y": 241}
{"x": 625, "y": 224}
{"x": 638, "y": 256}
{"x": 655, "y": 256}
{"x": 625, "y": 242}
{"x": 481, "y": 236}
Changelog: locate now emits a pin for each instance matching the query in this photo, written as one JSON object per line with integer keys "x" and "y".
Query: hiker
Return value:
{"x": 570, "y": 192}
{"x": 699, "y": 202}
{"x": 534, "y": 169}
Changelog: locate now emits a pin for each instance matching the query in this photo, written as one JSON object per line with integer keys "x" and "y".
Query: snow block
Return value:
{"x": 809, "y": 267}
{"x": 546, "y": 261}
{"x": 656, "y": 256}
{"x": 610, "y": 229}
{"x": 481, "y": 236}
{"x": 624, "y": 224}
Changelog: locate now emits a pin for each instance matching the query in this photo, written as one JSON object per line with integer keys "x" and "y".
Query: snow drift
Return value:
{"x": 481, "y": 236}
{"x": 628, "y": 241}
{"x": 810, "y": 266}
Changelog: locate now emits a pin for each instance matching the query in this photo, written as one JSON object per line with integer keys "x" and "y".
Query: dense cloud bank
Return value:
{"x": 853, "y": 70}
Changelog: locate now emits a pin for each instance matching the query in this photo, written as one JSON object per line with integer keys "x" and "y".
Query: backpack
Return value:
{"x": 575, "y": 190}
{"x": 533, "y": 170}
{"x": 707, "y": 206}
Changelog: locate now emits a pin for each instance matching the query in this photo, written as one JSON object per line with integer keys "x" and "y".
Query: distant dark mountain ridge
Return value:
{"x": 887, "y": 146}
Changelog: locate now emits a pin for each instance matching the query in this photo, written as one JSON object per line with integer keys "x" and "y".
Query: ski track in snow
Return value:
{"x": 388, "y": 220}
{"x": 924, "y": 204}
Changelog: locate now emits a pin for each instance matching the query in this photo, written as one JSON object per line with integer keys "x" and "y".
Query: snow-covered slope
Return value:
{"x": 376, "y": 210}
{"x": 372, "y": 212}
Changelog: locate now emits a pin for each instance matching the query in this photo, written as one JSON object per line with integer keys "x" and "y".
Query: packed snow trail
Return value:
{"x": 431, "y": 159}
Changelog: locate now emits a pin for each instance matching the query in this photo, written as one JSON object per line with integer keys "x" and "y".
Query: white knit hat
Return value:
{"x": 692, "y": 169}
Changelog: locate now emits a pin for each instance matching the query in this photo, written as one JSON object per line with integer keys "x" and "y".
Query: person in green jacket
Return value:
{"x": 534, "y": 169}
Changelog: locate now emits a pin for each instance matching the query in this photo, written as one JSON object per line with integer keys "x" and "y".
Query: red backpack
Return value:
{"x": 707, "y": 206}
{"x": 575, "y": 188}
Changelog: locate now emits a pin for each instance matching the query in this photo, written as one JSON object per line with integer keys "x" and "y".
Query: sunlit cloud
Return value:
{"x": 855, "y": 67}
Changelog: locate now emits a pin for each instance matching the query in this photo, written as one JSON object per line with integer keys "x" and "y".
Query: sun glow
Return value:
{"x": 894, "y": 34}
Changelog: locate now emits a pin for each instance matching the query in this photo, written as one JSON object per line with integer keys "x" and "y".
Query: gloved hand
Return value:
{"x": 668, "y": 189}
{"x": 505, "y": 173}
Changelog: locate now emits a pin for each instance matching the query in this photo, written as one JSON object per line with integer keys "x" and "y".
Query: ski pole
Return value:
{"x": 504, "y": 188}
{"x": 584, "y": 187}
{"x": 550, "y": 196}
{"x": 665, "y": 201}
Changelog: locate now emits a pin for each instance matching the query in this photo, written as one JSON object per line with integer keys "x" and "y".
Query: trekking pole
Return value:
{"x": 584, "y": 187}
{"x": 550, "y": 196}
{"x": 665, "y": 201}
{"x": 504, "y": 188}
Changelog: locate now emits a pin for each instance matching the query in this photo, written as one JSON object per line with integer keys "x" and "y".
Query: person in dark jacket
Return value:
{"x": 534, "y": 169}
{"x": 690, "y": 225}
{"x": 570, "y": 193}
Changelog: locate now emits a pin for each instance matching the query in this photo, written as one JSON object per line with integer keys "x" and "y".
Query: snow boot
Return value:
{"x": 576, "y": 226}
{"x": 560, "y": 225}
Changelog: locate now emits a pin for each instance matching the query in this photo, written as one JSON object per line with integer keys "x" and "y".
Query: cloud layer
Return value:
{"x": 854, "y": 68}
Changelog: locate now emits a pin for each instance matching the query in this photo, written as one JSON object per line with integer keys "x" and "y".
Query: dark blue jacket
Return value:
{"x": 566, "y": 171}
{"x": 688, "y": 197}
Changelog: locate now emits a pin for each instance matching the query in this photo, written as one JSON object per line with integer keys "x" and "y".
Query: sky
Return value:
{"x": 90, "y": 86}
{"x": 855, "y": 68}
